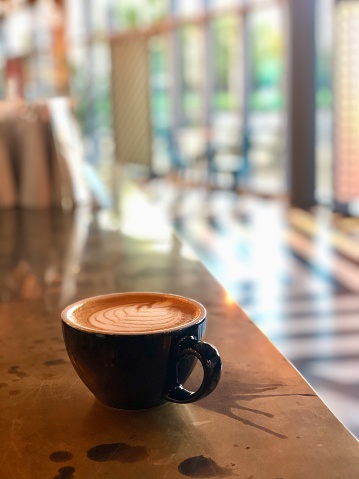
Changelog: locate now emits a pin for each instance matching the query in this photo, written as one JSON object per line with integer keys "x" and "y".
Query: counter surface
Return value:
{"x": 262, "y": 421}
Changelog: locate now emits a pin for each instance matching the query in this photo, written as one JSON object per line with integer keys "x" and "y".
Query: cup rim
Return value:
{"x": 64, "y": 313}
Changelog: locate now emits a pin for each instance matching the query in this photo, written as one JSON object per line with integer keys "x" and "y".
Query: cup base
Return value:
{"x": 135, "y": 409}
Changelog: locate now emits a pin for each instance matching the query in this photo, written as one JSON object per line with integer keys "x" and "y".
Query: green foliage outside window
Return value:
{"x": 324, "y": 79}
{"x": 226, "y": 59}
{"x": 267, "y": 52}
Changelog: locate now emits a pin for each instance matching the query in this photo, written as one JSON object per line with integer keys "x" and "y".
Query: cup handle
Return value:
{"x": 211, "y": 363}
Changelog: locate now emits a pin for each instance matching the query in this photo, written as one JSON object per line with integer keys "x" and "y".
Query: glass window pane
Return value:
{"x": 267, "y": 51}
{"x": 134, "y": 13}
{"x": 41, "y": 76}
{"x": 220, "y": 4}
{"x": 266, "y": 99}
{"x": 188, "y": 7}
{"x": 192, "y": 73}
{"x": 90, "y": 85}
{"x": 226, "y": 59}
{"x": 324, "y": 114}
{"x": 75, "y": 26}
{"x": 160, "y": 82}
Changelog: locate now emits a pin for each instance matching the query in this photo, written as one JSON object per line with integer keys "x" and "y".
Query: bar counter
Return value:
{"x": 262, "y": 422}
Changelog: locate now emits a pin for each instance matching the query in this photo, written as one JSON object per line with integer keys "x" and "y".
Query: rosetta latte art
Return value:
{"x": 138, "y": 317}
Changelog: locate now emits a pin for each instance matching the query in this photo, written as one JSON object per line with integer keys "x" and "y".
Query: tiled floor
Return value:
{"x": 296, "y": 274}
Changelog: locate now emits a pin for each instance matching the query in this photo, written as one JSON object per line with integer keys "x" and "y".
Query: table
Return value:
{"x": 262, "y": 421}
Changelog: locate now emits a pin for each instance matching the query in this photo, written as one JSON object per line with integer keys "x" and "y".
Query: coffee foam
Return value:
{"x": 134, "y": 313}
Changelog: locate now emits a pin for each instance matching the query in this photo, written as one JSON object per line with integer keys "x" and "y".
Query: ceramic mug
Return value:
{"x": 136, "y": 350}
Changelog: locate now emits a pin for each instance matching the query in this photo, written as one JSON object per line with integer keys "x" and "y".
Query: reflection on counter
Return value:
{"x": 41, "y": 252}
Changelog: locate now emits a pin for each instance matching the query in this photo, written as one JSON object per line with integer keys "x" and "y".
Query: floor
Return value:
{"x": 296, "y": 274}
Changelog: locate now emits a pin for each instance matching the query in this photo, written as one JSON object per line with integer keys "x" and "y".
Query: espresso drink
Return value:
{"x": 135, "y": 313}
{"x": 136, "y": 350}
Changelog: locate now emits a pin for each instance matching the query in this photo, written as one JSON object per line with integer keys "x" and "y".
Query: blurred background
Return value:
{"x": 212, "y": 64}
{"x": 242, "y": 117}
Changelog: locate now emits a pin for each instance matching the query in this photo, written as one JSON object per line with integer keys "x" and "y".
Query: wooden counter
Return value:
{"x": 262, "y": 422}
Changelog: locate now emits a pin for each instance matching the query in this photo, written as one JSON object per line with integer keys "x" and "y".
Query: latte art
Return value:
{"x": 139, "y": 317}
{"x": 133, "y": 313}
